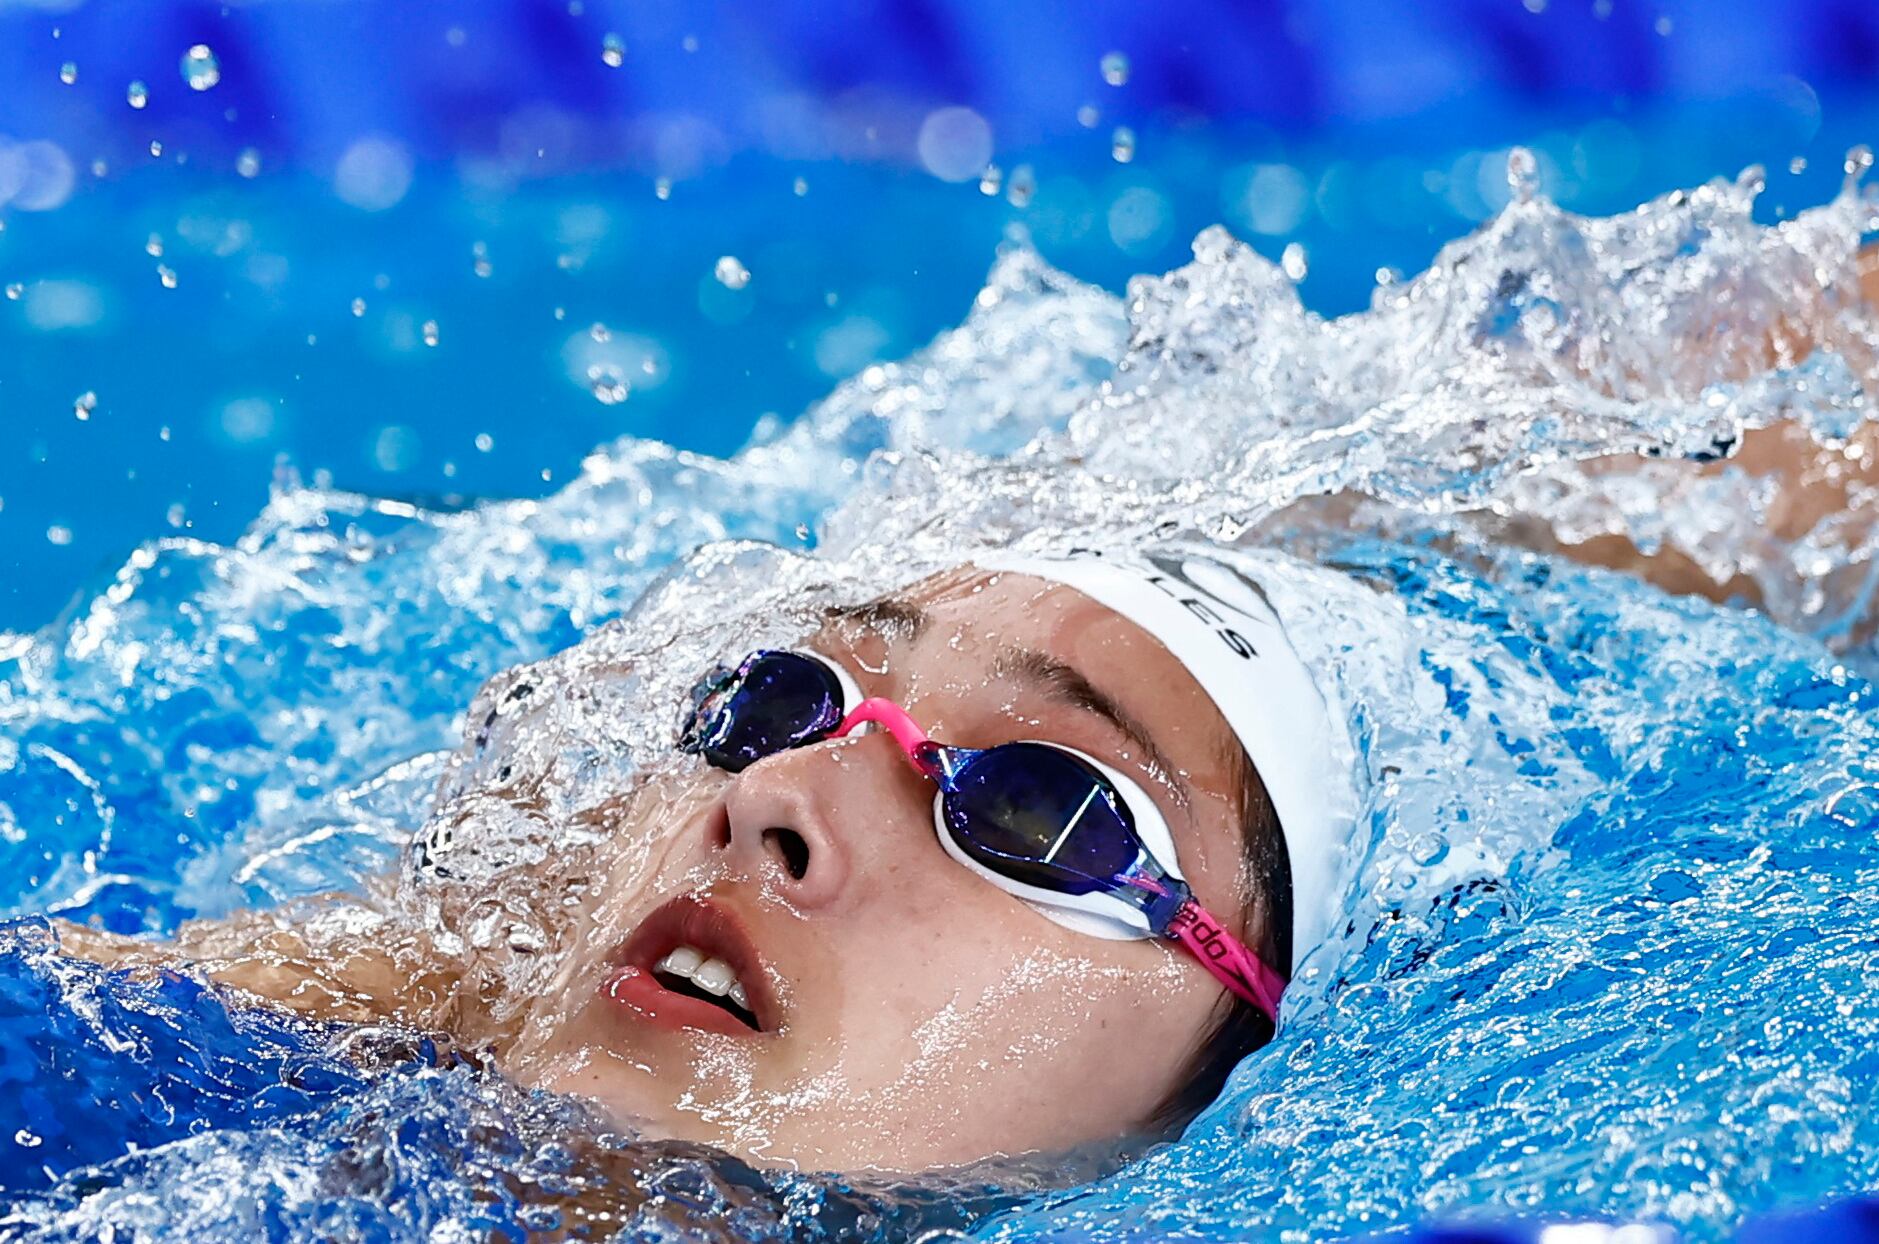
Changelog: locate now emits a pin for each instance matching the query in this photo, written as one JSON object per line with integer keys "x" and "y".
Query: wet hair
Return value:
{"x": 1238, "y": 1028}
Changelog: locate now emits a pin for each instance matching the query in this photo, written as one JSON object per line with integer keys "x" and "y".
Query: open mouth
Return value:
{"x": 690, "y": 964}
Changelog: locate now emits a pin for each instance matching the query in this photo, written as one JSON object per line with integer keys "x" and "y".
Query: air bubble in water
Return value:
{"x": 600, "y": 332}
{"x": 1523, "y": 174}
{"x": 608, "y": 383}
{"x": 1858, "y": 160}
{"x": 990, "y": 180}
{"x": 1115, "y": 69}
{"x": 156, "y": 147}
{"x": 662, "y": 188}
{"x": 14, "y": 290}
{"x": 479, "y": 259}
{"x": 83, "y": 405}
{"x": 1022, "y": 188}
{"x": 358, "y": 307}
{"x": 484, "y": 442}
{"x": 613, "y": 50}
{"x": 1122, "y": 144}
{"x": 731, "y": 273}
{"x": 248, "y": 163}
{"x": 153, "y": 246}
{"x": 1088, "y": 115}
{"x": 430, "y": 332}
{"x": 200, "y": 68}
{"x": 1292, "y": 261}
{"x": 68, "y": 72}
{"x": 1797, "y": 165}
{"x": 167, "y": 275}
{"x": 800, "y": 186}
{"x": 136, "y": 94}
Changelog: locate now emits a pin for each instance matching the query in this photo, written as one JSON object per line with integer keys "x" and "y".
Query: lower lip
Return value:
{"x": 638, "y": 993}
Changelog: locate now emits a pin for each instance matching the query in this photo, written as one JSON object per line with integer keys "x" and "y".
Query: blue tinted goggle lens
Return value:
{"x": 772, "y": 702}
{"x": 1041, "y": 817}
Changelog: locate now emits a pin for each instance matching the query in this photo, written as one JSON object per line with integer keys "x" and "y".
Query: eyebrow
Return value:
{"x": 1068, "y": 685}
{"x": 896, "y": 618}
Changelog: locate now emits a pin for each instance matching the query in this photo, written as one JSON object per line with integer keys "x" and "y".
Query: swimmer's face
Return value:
{"x": 912, "y": 1014}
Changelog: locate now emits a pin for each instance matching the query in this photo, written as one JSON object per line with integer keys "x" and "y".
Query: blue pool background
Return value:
{"x": 1372, "y": 134}
{"x": 1366, "y": 133}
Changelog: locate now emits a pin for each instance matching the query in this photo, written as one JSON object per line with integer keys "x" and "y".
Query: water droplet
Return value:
{"x": 153, "y": 246}
{"x": 991, "y": 179}
{"x": 84, "y": 404}
{"x": 1523, "y": 174}
{"x": 600, "y": 332}
{"x": 1535, "y": 7}
{"x": 484, "y": 442}
{"x": 1664, "y": 26}
{"x": 800, "y": 186}
{"x": 608, "y": 383}
{"x": 576, "y": 8}
{"x": 57, "y": 534}
{"x": 1428, "y": 848}
{"x": 248, "y": 163}
{"x": 1601, "y": 9}
{"x": 99, "y": 168}
{"x": 1122, "y": 144}
{"x": 136, "y": 94}
{"x": 731, "y": 273}
{"x": 1115, "y": 68}
{"x": 430, "y": 332}
{"x": 14, "y": 290}
{"x": 1858, "y": 160}
{"x": 68, "y": 72}
{"x": 479, "y": 259}
{"x": 613, "y": 50}
{"x": 1088, "y": 116}
{"x": 163, "y": 433}
{"x": 156, "y": 147}
{"x": 1022, "y": 186}
{"x": 662, "y": 188}
{"x": 167, "y": 275}
{"x": 689, "y": 43}
{"x": 1292, "y": 261}
{"x": 200, "y": 68}
{"x": 1797, "y": 165}
{"x": 358, "y": 307}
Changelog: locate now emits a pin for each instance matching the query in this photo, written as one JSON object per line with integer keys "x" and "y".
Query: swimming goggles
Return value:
{"x": 1045, "y": 823}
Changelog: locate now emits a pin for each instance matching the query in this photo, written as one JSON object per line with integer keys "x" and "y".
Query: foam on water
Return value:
{"x": 1609, "y": 941}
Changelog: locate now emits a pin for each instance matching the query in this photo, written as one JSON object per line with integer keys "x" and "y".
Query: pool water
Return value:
{"x": 1608, "y": 949}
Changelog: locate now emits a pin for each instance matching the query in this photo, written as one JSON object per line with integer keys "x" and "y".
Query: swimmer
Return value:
{"x": 1016, "y": 859}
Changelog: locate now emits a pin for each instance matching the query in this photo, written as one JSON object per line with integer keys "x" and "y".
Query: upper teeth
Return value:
{"x": 714, "y": 976}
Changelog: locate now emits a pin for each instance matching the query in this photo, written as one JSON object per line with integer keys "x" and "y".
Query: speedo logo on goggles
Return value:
{"x": 1048, "y": 824}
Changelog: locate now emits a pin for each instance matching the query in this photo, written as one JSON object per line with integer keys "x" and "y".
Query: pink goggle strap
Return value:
{"x": 1230, "y": 960}
{"x": 1244, "y": 973}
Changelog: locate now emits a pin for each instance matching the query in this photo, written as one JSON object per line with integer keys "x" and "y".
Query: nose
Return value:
{"x": 810, "y": 821}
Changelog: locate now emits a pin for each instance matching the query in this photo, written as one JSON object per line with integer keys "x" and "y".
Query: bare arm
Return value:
{"x": 328, "y": 959}
{"x": 1830, "y": 492}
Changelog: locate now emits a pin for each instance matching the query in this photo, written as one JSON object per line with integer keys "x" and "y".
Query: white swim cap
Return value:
{"x": 1200, "y": 602}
